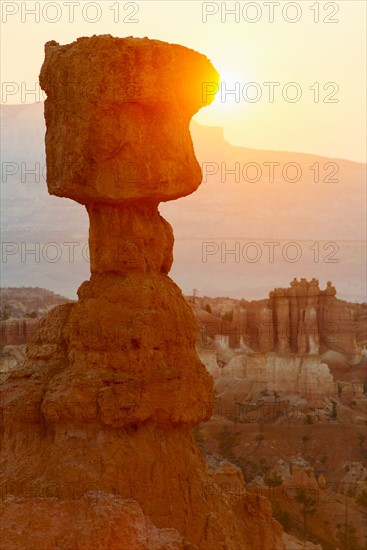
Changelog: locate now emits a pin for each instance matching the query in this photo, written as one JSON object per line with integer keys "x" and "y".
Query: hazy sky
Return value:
{"x": 299, "y": 66}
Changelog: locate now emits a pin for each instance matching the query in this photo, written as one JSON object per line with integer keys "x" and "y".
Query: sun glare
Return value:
{"x": 229, "y": 90}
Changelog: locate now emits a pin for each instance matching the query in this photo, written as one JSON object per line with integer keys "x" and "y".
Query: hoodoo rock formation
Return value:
{"x": 111, "y": 386}
{"x": 300, "y": 319}
{"x": 299, "y": 314}
{"x": 310, "y": 320}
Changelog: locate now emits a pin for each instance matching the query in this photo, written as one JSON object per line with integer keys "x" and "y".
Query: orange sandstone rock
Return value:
{"x": 111, "y": 385}
{"x": 118, "y": 114}
{"x": 50, "y": 521}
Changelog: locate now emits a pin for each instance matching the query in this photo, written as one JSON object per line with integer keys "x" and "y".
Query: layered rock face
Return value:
{"x": 306, "y": 376}
{"x": 16, "y": 332}
{"x": 303, "y": 323}
{"x": 111, "y": 385}
{"x": 304, "y": 319}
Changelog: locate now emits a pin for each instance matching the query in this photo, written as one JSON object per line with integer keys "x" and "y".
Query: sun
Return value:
{"x": 229, "y": 90}
{"x": 227, "y": 98}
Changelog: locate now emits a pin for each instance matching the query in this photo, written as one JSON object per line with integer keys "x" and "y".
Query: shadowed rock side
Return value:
{"x": 98, "y": 448}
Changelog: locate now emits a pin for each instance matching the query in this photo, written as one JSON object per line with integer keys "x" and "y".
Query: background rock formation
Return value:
{"x": 299, "y": 319}
{"x": 111, "y": 385}
{"x": 17, "y": 331}
{"x": 314, "y": 321}
{"x": 288, "y": 374}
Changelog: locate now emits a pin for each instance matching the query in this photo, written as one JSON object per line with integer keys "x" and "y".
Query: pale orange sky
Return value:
{"x": 305, "y": 52}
